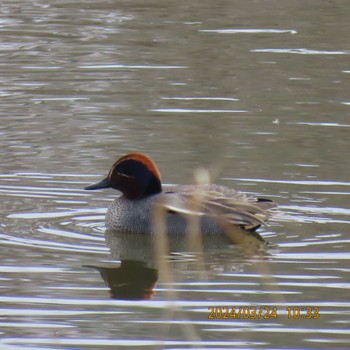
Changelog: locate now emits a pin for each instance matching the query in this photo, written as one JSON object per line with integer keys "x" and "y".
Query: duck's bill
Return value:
{"x": 102, "y": 184}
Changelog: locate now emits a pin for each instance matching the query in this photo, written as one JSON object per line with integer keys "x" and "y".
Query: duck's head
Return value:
{"x": 135, "y": 175}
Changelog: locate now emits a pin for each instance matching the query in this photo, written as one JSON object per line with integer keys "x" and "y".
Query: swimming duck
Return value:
{"x": 220, "y": 208}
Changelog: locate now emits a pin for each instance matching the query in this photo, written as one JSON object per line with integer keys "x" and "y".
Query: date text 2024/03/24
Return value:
{"x": 262, "y": 312}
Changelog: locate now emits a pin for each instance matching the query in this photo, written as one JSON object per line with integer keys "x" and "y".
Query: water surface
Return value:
{"x": 256, "y": 92}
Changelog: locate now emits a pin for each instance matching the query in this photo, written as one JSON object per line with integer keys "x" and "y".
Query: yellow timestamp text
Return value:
{"x": 307, "y": 312}
{"x": 262, "y": 312}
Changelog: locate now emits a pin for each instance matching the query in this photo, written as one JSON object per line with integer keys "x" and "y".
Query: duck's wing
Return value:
{"x": 237, "y": 209}
{"x": 225, "y": 204}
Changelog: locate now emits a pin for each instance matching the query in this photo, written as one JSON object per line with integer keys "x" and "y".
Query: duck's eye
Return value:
{"x": 121, "y": 169}
{"x": 131, "y": 168}
{"x": 124, "y": 169}
{"x": 170, "y": 211}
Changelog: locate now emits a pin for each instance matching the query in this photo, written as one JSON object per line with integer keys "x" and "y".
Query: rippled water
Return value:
{"x": 257, "y": 92}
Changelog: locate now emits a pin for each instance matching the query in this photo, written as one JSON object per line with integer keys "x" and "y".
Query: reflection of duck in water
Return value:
{"x": 137, "y": 275}
{"x": 132, "y": 280}
{"x": 220, "y": 209}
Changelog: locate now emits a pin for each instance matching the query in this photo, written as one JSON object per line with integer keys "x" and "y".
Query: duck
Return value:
{"x": 219, "y": 209}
